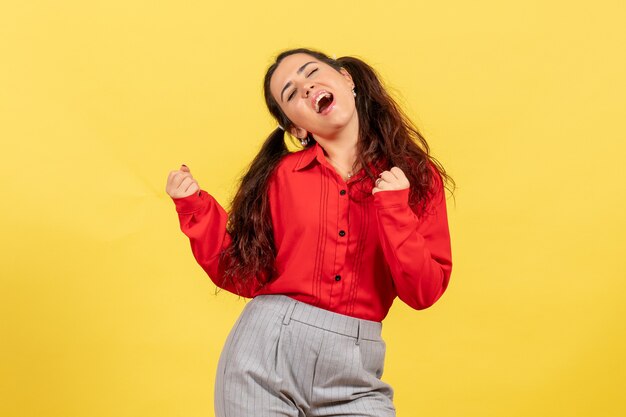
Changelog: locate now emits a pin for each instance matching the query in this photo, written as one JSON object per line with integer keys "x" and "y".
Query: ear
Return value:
{"x": 298, "y": 132}
{"x": 346, "y": 75}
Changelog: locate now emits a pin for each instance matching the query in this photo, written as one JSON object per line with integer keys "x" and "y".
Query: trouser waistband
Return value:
{"x": 292, "y": 309}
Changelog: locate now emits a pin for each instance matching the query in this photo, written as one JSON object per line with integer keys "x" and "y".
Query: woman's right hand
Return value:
{"x": 180, "y": 183}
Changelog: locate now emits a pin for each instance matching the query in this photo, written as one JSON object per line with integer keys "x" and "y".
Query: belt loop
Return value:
{"x": 289, "y": 312}
{"x": 358, "y": 332}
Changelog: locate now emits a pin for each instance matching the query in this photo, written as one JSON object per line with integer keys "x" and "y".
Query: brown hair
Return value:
{"x": 385, "y": 133}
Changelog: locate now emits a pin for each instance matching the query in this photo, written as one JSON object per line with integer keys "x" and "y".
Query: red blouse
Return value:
{"x": 338, "y": 246}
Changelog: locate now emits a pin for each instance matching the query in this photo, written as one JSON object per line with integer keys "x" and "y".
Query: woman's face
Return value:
{"x": 313, "y": 95}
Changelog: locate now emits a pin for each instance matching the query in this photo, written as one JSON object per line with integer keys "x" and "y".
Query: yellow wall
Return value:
{"x": 104, "y": 311}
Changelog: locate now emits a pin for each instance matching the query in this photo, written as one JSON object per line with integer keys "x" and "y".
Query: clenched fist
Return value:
{"x": 394, "y": 179}
{"x": 180, "y": 183}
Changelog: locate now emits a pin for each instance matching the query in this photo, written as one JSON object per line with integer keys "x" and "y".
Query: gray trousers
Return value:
{"x": 285, "y": 358}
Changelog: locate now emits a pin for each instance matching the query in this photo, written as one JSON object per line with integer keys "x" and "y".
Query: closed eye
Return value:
{"x": 294, "y": 91}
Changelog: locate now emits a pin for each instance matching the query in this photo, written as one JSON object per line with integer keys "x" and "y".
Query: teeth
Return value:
{"x": 317, "y": 100}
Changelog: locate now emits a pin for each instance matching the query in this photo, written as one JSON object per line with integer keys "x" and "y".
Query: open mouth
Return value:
{"x": 323, "y": 101}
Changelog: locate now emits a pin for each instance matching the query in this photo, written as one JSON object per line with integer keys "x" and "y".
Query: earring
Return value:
{"x": 353, "y": 92}
{"x": 305, "y": 140}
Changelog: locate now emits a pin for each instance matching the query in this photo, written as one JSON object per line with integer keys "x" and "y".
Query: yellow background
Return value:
{"x": 104, "y": 311}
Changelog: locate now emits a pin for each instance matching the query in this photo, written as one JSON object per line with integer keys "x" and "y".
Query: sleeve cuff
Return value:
{"x": 392, "y": 198}
{"x": 191, "y": 203}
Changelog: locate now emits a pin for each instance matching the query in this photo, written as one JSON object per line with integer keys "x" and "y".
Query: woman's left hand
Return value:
{"x": 394, "y": 179}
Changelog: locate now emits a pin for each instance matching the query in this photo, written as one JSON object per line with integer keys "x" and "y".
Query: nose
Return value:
{"x": 307, "y": 89}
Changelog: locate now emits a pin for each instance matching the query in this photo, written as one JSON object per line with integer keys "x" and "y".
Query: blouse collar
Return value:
{"x": 316, "y": 153}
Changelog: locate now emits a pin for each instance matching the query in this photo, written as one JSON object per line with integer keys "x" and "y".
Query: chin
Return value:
{"x": 334, "y": 123}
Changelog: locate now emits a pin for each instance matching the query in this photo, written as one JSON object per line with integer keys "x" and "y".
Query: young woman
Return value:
{"x": 323, "y": 240}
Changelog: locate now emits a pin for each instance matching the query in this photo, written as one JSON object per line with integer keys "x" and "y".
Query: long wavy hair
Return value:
{"x": 385, "y": 134}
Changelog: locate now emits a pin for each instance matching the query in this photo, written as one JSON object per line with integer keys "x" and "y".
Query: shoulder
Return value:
{"x": 427, "y": 186}
{"x": 286, "y": 166}
{"x": 437, "y": 180}
{"x": 436, "y": 189}
{"x": 290, "y": 161}
{"x": 292, "y": 158}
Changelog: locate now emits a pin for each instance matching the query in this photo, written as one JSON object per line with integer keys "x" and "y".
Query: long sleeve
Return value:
{"x": 417, "y": 250}
{"x": 203, "y": 220}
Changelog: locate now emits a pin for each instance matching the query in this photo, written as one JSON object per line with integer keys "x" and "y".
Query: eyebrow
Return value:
{"x": 297, "y": 72}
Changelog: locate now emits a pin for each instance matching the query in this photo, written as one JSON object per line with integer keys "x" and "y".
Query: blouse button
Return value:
{"x": 342, "y": 192}
{"x": 337, "y": 277}
{"x": 342, "y": 233}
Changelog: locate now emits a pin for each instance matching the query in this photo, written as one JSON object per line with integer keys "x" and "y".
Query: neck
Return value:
{"x": 341, "y": 147}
